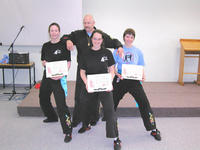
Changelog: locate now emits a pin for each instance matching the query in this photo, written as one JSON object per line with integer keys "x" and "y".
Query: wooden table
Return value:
{"x": 19, "y": 66}
{"x": 189, "y": 48}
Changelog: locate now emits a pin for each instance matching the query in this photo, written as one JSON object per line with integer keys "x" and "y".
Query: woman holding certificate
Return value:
{"x": 128, "y": 75}
{"x": 97, "y": 73}
{"x": 54, "y": 52}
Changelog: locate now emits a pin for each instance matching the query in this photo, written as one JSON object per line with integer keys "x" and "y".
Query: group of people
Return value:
{"x": 93, "y": 57}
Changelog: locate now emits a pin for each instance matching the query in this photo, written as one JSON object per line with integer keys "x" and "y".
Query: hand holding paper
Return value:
{"x": 99, "y": 82}
{"x": 56, "y": 69}
{"x": 134, "y": 72}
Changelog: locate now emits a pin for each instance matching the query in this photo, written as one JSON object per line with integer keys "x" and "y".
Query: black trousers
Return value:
{"x": 77, "y": 107}
{"x": 106, "y": 98}
{"x": 47, "y": 87}
{"x": 134, "y": 87}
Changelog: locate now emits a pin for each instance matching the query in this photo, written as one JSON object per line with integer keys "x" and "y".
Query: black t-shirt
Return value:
{"x": 55, "y": 52}
{"x": 96, "y": 62}
{"x": 81, "y": 39}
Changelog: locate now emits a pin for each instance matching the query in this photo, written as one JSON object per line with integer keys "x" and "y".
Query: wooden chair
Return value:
{"x": 189, "y": 48}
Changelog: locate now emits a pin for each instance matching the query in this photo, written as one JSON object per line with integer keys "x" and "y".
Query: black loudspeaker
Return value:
{"x": 18, "y": 58}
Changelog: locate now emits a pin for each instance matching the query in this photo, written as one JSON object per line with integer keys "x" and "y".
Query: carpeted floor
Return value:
{"x": 22, "y": 133}
{"x": 30, "y": 133}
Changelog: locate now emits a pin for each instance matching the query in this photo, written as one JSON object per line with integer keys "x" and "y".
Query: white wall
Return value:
{"x": 35, "y": 16}
{"x": 159, "y": 24}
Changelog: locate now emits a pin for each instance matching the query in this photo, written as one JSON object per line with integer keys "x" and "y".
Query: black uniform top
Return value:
{"x": 55, "y": 52}
{"x": 81, "y": 39}
{"x": 96, "y": 62}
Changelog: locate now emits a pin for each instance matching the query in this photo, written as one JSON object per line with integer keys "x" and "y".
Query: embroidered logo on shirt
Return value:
{"x": 57, "y": 52}
{"x": 104, "y": 58}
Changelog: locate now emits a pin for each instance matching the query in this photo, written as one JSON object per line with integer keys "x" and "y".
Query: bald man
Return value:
{"x": 81, "y": 39}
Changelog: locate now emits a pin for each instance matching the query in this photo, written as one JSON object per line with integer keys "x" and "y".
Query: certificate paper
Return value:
{"x": 99, "y": 82}
{"x": 134, "y": 72}
{"x": 56, "y": 69}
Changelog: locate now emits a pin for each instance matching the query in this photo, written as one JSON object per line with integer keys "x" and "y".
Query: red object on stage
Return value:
{"x": 37, "y": 85}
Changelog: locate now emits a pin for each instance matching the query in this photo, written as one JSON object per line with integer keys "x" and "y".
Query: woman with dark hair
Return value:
{"x": 98, "y": 60}
{"x": 55, "y": 50}
{"x": 133, "y": 56}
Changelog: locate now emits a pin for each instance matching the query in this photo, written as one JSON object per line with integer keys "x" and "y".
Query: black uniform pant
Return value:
{"x": 47, "y": 87}
{"x": 134, "y": 87}
{"x": 76, "y": 118}
{"x": 106, "y": 98}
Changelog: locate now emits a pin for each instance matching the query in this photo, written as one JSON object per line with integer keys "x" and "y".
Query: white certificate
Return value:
{"x": 56, "y": 69}
{"x": 134, "y": 72}
{"x": 99, "y": 82}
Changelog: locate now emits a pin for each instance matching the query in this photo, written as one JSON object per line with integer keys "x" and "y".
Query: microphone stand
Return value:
{"x": 13, "y": 66}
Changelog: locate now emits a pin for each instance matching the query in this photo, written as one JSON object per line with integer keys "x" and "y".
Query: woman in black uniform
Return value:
{"x": 98, "y": 60}
{"x": 55, "y": 50}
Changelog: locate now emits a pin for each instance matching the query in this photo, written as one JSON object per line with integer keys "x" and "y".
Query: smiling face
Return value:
{"x": 128, "y": 39}
{"x": 96, "y": 41}
{"x": 54, "y": 32}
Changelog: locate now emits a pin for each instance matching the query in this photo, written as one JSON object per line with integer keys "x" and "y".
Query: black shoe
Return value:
{"x": 103, "y": 119}
{"x": 93, "y": 123}
{"x": 68, "y": 138}
{"x": 117, "y": 144}
{"x": 83, "y": 129}
{"x": 75, "y": 124}
{"x": 50, "y": 120}
{"x": 156, "y": 134}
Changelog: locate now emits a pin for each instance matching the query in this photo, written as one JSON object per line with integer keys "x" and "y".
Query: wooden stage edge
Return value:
{"x": 167, "y": 99}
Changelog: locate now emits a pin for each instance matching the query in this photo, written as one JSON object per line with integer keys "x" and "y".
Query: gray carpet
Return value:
{"x": 30, "y": 133}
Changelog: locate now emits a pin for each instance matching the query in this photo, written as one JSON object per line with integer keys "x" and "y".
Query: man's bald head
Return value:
{"x": 88, "y": 23}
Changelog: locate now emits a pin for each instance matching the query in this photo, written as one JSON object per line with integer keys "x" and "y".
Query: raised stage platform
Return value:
{"x": 167, "y": 99}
